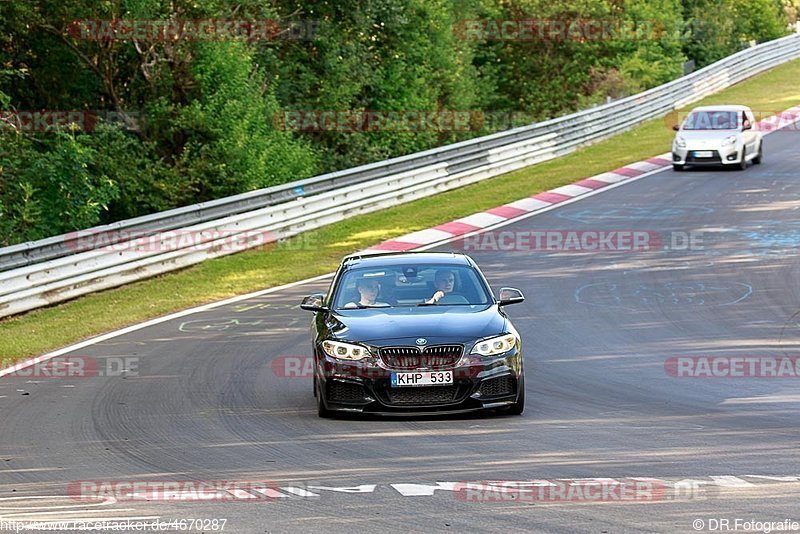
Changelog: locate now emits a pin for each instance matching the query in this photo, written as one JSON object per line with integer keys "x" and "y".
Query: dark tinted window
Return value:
{"x": 409, "y": 285}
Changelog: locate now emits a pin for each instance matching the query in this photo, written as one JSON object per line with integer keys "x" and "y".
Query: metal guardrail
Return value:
{"x": 51, "y": 270}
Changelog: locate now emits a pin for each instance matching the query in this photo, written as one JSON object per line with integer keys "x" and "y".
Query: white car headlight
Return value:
{"x": 345, "y": 351}
{"x": 729, "y": 140}
{"x": 495, "y": 345}
{"x": 680, "y": 142}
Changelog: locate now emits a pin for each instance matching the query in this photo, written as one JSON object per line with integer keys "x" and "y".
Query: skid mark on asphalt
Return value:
{"x": 236, "y": 324}
{"x": 669, "y": 294}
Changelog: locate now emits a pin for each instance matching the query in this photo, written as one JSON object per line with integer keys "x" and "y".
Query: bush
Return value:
{"x": 49, "y": 187}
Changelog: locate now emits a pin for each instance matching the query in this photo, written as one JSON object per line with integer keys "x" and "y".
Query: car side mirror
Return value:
{"x": 746, "y": 125}
{"x": 676, "y": 127}
{"x": 510, "y": 295}
{"x": 313, "y": 303}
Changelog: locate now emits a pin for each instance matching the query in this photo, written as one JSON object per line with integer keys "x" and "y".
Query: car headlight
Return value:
{"x": 680, "y": 142}
{"x": 729, "y": 140}
{"x": 345, "y": 351}
{"x": 495, "y": 345}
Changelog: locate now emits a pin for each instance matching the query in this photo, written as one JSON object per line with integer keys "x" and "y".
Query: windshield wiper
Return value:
{"x": 360, "y": 306}
{"x": 448, "y": 304}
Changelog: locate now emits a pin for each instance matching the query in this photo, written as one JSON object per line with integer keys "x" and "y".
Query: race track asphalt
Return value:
{"x": 203, "y": 399}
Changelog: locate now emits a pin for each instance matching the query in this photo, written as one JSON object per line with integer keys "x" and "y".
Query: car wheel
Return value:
{"x": 743, "y": 164}
{"x": 676, "y": 167}
{"x": 322, "y": 411}
{"x": 760, "y": 155}
{"x": 519, "y": 406}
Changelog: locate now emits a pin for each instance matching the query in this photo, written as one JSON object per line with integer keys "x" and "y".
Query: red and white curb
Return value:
{"x": 521, "y": 208}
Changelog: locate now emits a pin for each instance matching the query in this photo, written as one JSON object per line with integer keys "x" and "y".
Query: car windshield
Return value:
{"x": 410, "y": 285}
{"x": 712, "y": 120}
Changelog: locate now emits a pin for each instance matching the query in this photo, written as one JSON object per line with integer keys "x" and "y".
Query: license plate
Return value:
{"x": 703, "y": 153}
{"x": 435, "y": 378}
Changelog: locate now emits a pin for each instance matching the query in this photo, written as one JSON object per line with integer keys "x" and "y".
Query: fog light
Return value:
{"x": 676, "y": 157}
{"x": 732, "y": 157}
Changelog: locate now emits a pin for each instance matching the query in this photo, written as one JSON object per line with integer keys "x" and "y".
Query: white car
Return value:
{"x": 717, "y": 135}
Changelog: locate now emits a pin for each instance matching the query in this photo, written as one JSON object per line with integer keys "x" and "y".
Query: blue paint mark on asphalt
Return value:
{"x": 770, "y": 237}
{"x": 630, "y": 213}
{"x": 774, "y": 238}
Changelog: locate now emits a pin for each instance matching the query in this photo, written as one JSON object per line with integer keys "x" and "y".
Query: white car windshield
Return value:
{"x": 712, "y": 120}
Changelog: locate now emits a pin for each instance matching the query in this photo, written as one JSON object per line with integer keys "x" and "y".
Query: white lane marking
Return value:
{"x": 94, "y": 504}
{"x": 610, "y": 177}
{"x": 529, "y": 204}
{"x": 424, "y": 490}
{"x": 776, "y": 478}
{"x": 422, "y": 237}
{"x": 644, "y": 165}
{"x": 481, "y": 220}
{"x": 726, "y": 481}
{"x": 299, "y": 491}
{"x": 571, "y": 190}
{"x": 364, "y": 488}
{"x": 63, "y": 512}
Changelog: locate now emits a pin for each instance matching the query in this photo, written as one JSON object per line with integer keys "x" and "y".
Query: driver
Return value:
{"x": 444, "y": 281}
{"x": 368, "y": 289}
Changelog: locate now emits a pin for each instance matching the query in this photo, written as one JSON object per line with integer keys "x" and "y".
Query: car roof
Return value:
{"x": 727, "y": 107}
{"x": 404, "y": 258}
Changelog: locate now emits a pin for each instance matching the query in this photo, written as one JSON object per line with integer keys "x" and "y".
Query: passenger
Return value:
{"x": 368, "y": 289}
{"x": 444, "y": 281}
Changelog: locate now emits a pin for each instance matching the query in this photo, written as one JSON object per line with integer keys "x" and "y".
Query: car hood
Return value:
{"x": 707, "y": 135}
{"x": 438, "y": 324}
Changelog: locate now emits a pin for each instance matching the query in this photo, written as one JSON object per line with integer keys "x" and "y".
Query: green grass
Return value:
{"x": 320, "y": 252}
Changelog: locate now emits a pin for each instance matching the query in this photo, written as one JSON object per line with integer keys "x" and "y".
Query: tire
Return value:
{"x": 519, "y": 406}
{"x": 743, "y": 164}
{"x": 677, "y": 168}
{"x": 760, "y": 156}
{"x": 322, "y": 411}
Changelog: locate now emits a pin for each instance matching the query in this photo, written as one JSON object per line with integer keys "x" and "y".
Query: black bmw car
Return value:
{"x": 414, "y": 333}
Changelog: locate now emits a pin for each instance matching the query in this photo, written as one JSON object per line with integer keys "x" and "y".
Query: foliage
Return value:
{"x": 185, "y": 121}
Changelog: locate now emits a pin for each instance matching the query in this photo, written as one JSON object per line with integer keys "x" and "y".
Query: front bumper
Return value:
{"x": 478, "y": 384}
{"x": 726, "y": 155}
